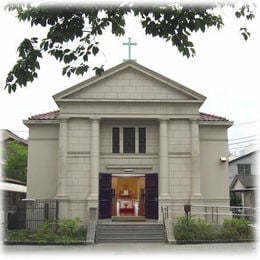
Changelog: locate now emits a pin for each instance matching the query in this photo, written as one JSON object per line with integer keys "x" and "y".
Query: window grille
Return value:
{"x": 142, "y": 140}
{"x": 129, "y": 140}
{"x": 244, "y": 169}
{"x": 115, "y": 140}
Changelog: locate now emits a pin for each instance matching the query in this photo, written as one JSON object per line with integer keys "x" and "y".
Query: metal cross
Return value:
{"x": 129, "y": 43}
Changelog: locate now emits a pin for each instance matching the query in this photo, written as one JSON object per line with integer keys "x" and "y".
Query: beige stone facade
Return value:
{"x": 70, "y": 147}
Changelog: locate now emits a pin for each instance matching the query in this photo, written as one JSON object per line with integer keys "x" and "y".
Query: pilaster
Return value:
{"x": 163, "y": 159}
{"x": 62, "y": 159}
{"x": 62, "y": 195}
{"x": 195, "y": 161}
{"x": 94, "y": 158}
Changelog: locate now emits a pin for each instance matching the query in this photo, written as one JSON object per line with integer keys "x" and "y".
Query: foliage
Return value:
{"x": 66, "y": 230}
{"x": 73, "y": 31}
{"x": 19, "y": 235}
{"x": 69, "y": 227}
{"x": 197, "y": 229}
{"x": 236, "y": 228}
{"x": 16, "y": 161}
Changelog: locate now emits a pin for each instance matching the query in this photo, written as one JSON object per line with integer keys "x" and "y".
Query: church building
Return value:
{"x": 128, "y": 142}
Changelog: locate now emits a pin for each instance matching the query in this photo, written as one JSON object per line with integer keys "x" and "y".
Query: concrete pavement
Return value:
{"x": 129, "y": 250}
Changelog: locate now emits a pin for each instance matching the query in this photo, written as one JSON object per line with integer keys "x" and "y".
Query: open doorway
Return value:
{"x": 121, "y": 195}
{"x": 128, "y": 196}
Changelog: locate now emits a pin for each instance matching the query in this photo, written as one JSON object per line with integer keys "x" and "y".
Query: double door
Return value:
{"x": 150, "y": 196}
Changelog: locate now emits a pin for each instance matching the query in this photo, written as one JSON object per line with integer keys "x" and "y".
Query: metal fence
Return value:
{"x": 31, "y": 214}
{"x": 212, "y": 214}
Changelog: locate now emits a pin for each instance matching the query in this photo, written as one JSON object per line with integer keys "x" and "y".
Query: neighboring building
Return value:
{"x": 12, "y": 191}
{"x": 245, "y": 164}
{"x": 243, "y": 179}
{"x": 127, "y": 142}
{"x": 7, "y": 135}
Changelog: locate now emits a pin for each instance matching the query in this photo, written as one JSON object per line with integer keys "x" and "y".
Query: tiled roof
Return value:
{"x": 46, "y": 116}
{"x": 54, "y": 115}
{"x": 208, "y": 117}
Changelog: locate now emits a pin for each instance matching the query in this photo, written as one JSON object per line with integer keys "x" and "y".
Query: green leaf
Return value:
{"x": 238, "y": 14}
{"x": 95, "y": 50}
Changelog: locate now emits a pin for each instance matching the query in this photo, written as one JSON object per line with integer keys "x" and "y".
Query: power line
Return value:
{"x": 242, "y": 142}
{"x": 245, "y": 137}
{"x": 242, "y": 147}
{"x": 245, "y": 123}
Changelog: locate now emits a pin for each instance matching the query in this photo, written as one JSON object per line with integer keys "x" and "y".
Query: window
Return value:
{"x": 129, "y": 140}
{"x": 142, "y": 140}
{"x": 244, "y": 169}
{"x": 133, "y": 140}
{"x": 115, "y": 140}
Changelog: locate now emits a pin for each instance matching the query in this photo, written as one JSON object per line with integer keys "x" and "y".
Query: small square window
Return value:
{"x": 244, "y": 169}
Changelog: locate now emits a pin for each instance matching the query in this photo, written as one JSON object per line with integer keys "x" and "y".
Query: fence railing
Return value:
{"x": 32, "y": 214}
{"x": 210, "y": 213}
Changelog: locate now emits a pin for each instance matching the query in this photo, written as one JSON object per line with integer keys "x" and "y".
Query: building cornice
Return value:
{"x": 126, "y": 101}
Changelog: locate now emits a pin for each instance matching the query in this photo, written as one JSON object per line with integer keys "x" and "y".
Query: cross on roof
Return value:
{"x": 129, "y": 43}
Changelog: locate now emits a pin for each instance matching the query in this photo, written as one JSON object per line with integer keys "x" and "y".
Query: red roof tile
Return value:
{"x": 54, "y": 115}
{"x": 208, "y": 117}
{"x": 46, "y": 116}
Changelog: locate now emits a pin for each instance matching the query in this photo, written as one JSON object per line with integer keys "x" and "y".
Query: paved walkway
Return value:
{"x": 114, "y": 251}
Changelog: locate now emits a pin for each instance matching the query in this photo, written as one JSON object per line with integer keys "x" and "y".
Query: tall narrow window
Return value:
{"x": 142, "y": 140}
{"x": 115, "y": 140}
{"x": 129, "y": 140}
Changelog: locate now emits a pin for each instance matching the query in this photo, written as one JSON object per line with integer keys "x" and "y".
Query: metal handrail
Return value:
{"x": 214, "y": 211}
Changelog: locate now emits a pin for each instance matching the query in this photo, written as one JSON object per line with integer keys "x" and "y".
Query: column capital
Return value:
{"x": 161, "y": 119}
{"x": 194, "y": 120}
{"x": 95, "y": 118}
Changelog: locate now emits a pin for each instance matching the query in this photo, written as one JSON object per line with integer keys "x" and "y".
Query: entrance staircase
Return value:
{"x": 130, "y": 232}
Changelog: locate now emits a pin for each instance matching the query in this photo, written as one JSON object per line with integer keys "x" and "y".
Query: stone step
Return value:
{"x": 126, "y": 232}
{"x": 128, "y": 236}
{"x": 129, "y": 231}
{"x": 129, "y": 224}
{"x": 119, "y": 240}
{"x": 128, "y": 219}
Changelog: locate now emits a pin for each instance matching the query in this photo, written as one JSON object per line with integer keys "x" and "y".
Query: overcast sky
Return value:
{"x": 225, "y": 70}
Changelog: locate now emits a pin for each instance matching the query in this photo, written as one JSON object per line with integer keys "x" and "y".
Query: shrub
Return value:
{"x": 66, "y": 230}
{"x": 19, "y": 235}
{"x": 236, "y": 228}
{"x": 68, "y": 227}
{"x": 196, "y": 229}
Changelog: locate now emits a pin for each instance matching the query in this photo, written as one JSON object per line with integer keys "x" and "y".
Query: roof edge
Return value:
{"x": 53, "y": 116}
{"x": 136, "y": 66}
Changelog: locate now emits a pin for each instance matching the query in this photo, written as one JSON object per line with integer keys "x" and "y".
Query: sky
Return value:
{"x": 225, "y": 70}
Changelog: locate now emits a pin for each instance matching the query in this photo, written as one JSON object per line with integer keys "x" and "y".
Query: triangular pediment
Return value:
{"x": 130, "y": 81}
{"x": 237, "y": 185}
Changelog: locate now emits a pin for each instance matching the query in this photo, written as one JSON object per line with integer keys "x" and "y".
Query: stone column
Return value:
{"x": 195, "y": 160}
{"x": 62, "y": 195}
{"x": 163, "y": 158}
{"x": 62, "y": 158}
{"x": 94, "y": 158}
